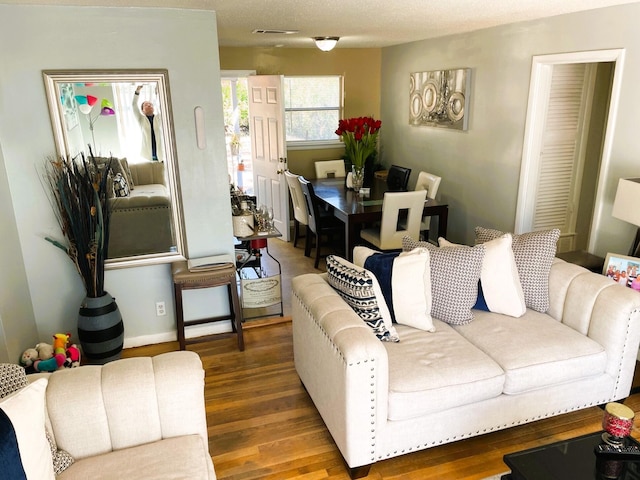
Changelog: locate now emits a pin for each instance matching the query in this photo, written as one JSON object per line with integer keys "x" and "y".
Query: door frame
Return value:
{"x": 539, "y": 90}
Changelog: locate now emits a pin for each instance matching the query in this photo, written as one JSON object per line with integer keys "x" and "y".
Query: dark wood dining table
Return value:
{"x": 355, "y": 209}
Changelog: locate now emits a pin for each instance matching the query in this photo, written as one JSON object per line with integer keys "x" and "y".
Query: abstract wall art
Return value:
{"x": 440, "y": 98}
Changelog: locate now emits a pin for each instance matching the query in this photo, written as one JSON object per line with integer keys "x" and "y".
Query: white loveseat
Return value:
{"x": 384, "y": 399}
{"x": 132, "y": 418}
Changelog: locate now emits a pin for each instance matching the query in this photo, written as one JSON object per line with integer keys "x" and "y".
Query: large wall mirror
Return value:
{"x": 113, "y": 114}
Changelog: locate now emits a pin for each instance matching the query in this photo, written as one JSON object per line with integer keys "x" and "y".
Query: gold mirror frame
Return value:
{"x": 54, "y": 78}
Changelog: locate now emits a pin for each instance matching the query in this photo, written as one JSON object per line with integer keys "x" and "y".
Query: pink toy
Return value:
{"x": 73, "y": 357}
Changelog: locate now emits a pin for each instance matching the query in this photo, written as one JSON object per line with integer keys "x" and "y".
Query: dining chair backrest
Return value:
{"x": 330, "y": 168}
{"x": 398, "y": 178}
{"x": 393, "y": 204}
{"x": 297, "y": 198}
{"x": 311, "y": 203}
{"x": 429, "y": 182}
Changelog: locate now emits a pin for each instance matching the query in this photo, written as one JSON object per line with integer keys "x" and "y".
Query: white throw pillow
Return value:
{"x": 24, "y": 414}
{"x": 410, "y": 286}
{"x": 499, "y": 277}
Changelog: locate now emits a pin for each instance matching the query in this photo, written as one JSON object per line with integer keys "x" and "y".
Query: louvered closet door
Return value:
{"x": 562, "y": 154}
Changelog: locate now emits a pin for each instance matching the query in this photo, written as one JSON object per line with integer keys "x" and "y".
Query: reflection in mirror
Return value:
{"x": 125, "y": 114}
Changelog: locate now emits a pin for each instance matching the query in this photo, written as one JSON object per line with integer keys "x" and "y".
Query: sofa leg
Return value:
{"x": 359, "y": 472}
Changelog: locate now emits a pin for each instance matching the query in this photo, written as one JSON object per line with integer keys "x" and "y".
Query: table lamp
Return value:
{"x": 625, "y": 207}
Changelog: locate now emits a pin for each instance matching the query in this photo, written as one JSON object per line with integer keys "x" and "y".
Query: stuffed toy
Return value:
{"x": 73, "y": 357}
{"x": 45, "y": 351}
{"x": 60, "y": 342}
{"x": 29, "y": 356}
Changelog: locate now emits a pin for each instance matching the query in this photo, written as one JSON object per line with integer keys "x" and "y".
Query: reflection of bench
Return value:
{"x": 141, "y": 222}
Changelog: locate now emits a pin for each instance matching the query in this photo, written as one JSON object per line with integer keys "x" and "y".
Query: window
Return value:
{"x": 312, "y": 108}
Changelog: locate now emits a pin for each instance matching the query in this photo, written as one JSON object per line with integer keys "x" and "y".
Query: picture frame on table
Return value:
{"x": 623, "y": 269}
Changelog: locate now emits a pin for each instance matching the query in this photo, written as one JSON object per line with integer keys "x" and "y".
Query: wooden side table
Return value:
{"x": 184, "y": 279}
{"x": 584, "y": 259}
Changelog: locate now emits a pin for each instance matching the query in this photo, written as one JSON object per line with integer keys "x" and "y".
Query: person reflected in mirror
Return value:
{"x": 150, "y": 127}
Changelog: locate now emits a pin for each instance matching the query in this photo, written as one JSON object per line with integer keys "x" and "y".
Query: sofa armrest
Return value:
{"x": 97, "y": 409}
{"x": 606, "y": 312}
{"x": 343, "y": 366}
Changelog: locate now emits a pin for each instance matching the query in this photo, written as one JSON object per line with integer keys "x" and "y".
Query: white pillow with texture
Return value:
{"x": 499, "y": 277}
{"x": 25, "y": 410}
{"x": 410, "y": 285}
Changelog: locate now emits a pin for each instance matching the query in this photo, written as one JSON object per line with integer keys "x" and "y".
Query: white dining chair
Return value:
{"x": 330, "y": 168}
{"x": 300, "y": 216}
{"x": 389, "y": 235}
{"x": 430, "y": 183}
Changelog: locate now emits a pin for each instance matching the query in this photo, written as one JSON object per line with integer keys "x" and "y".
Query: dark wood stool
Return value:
{"x": 183, "y": 279}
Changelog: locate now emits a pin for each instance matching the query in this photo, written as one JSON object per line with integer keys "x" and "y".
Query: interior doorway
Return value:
{"x": 236, "y": 128}
{"x": 587, "y": 174}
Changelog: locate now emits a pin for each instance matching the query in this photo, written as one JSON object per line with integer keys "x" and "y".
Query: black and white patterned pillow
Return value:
{"x": 14, "y": 378}
{"x": 455, "y": 272}
{"x": 120, "y": 186}
{"x": 360, "y": 289}
{"x": 533, "y": 253}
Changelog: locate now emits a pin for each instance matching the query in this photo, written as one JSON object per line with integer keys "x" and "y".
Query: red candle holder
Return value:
{"x": 617, "y": 423}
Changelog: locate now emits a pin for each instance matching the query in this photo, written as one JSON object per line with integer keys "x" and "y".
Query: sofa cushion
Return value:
{"x": 534, "y": 253}
{"x": 535, "y": 351}
{"x": 24, "y": 450}
{"x": 360, "y": 289}
{"x": 405, "y": 280}
{"x": 431, "y": 372}
{"x": 455, "y": 272}
{"x": 500, "y": 290}
{"x": 172, "y": 458}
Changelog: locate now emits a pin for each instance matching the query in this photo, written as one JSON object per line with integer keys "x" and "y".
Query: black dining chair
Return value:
{"x": 398, "y": 178}
{"x": 321, "y": 223}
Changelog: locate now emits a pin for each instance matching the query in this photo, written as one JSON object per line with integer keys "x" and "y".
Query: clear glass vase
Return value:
{"x": 357, "y": 177}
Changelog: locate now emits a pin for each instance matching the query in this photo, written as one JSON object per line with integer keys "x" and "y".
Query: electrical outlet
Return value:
{"x": 160, "y": 309}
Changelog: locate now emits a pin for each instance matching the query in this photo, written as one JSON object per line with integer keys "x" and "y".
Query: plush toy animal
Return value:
{"x": 73, "y": 357}
{"x": 29, "y": 356}
{"x": 60, "y": 342}
{"x": 45, "y": 351}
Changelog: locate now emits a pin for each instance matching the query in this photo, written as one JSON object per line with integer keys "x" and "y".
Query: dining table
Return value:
{"x": 356, "y": 209}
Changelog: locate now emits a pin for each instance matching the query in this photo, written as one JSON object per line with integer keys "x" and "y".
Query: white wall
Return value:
{"x": 481, "y": 167}
{"x": 36, "y": 38}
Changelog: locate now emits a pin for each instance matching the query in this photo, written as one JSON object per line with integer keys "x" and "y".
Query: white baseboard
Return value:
{"x": 191, "y": 332}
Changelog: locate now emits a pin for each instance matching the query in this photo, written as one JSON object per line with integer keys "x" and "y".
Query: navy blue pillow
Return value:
{"x": 481, "y": 303}
{"x": 381, "y": 265}
{"x": 9, "y": 453}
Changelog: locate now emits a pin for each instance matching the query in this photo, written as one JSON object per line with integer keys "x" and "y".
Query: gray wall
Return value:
{"x": 481, "y": 167}
{"x": 40, "y": 290}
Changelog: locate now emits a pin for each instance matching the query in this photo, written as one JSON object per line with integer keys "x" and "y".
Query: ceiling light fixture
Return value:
{"x": 326, "y": 43}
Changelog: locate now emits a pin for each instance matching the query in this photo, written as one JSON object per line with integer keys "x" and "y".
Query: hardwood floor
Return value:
{"x": 263, "y": 425}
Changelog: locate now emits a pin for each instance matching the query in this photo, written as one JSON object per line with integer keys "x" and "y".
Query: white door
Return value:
{"x": 542, "y": 156}
{"x": 562, "y": 151}
{"x": 268, "y": 142}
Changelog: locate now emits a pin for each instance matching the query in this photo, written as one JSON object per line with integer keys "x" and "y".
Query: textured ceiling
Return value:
{"x": 358, "y": 23}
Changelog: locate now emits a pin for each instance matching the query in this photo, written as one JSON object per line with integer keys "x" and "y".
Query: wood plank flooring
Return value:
{"x": 263, "y": 425}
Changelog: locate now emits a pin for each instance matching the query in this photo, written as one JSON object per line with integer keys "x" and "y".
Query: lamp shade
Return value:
{"x": 625, "y": 206}
{"x": 326, "y": 43}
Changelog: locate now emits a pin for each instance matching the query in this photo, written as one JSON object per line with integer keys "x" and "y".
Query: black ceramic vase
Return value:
{"x": 100, "y": 330}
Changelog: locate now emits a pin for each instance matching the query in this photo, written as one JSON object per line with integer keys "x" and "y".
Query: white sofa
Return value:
{"x": 132, "y": 418}
{"x": 383, "y": 399}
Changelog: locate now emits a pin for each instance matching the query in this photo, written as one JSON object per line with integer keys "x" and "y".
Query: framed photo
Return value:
{"x": 623, "y": 269}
